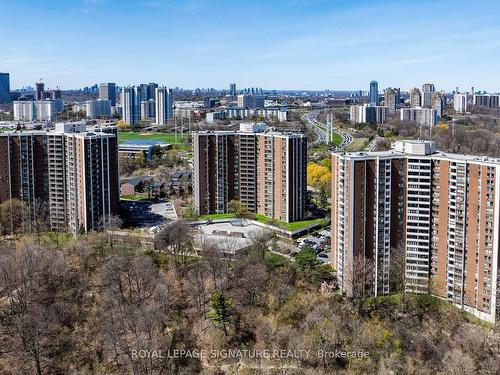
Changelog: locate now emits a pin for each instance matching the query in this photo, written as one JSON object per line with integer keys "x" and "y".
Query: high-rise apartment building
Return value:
{"x": 425, "y": 217}
{"x": 130, "y": 107}
{"x": 264, "y": 169}
{"x": 5, "y": 88}
{"x": 373, "y": 93}
{"x": 98, "y": 108}
{"x": 151, "y": 91}
{"x": 422, "y": 116}
{"x": 428, "y": 87}
{"x": 460, "y": 103}
{"x": 56, "y": 94}
{"x": 250, "y": 101}
{"x": 107, "y": 91}
{"x": 486, "y": 100}
{"x": 164, "y": 105}
{"x": 39, "y": 91}
{"x": 415, "y": 98}
{"x": 40, "y": 110}
{"x": 24, "y": 110}
{"x": 438, "y": 103}
{"x": 71, "y": 170}
{"x": 428, "y": 91}
{"x": 141, "y": 92}
{"x": 392, "y": 98}
{"x": 232, "y": 89}
{"x": 368, "y": 114}
{"x": 23, "y": 170}
{"x": 148, "y": 110}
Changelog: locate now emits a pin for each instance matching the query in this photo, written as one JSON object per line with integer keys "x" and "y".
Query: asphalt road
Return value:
{"x": 311, "y": 118}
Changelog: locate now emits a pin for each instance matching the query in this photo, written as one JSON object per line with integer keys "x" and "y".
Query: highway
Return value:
{"x": 373, "y": 144}
{"x": 320, "y": 127}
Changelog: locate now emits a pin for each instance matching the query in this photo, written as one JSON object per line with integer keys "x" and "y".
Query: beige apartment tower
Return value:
{"x": 425, "y": 217}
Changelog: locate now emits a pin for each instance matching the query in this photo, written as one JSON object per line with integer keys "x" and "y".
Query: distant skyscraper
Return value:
{"x": 428, "y": 87}
{"x": 250, "y": 101}
{"x": 98, "y": 108}
{"x": 486, "y": 100}
{"x": 40, "y": 110}
{"x": 422, "y": 116}
{"x": 142, "y": 92}
{"x": 391, "y": 98}
{"x": 130, "y": 108}
{"x": 232, "y": 89}
{"x": 56, "y": 94}
{"x": 164, "y": 105}
{"x": 148, "y": 110}
{"x": 4, "y": 88}
{"x": 415, "y": 98}
{"x": 152, "y": 90}
{"x": 39, "y": 91}
{"x": 438, "y": 103}
{"x": 374, "y": 93}
{"x": 460, "y": 103}
{"x": 368, "y": 114}
{"x": 428, "y": 90}
{"x": 107, "y": 91}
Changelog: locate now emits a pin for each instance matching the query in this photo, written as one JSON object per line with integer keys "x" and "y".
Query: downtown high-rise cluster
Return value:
{"x": 147, "y": 101}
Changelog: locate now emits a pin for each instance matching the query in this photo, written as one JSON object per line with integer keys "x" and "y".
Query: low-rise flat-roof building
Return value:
{"x": 141, "y": 148}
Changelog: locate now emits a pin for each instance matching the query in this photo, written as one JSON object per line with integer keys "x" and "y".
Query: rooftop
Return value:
{"x": 420, "y": 148}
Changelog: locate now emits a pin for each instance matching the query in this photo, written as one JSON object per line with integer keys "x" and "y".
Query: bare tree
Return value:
{"x": 28, "y": 311}
{"x": 360, "y": 281}
{"x": 176, "y": 240}
{"x": 134, "y": 314}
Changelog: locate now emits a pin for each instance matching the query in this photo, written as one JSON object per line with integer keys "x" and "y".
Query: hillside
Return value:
{"x": 87, "y": 307}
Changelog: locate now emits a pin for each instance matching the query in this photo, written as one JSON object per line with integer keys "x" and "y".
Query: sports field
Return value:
{"x": 171, "y": 138}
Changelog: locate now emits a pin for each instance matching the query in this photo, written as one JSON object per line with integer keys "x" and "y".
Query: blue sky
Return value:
{"x": 307, "y": 44}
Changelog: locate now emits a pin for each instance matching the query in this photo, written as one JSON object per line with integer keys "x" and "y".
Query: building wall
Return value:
{"x": 441, "y": 213}
{"x": 264, "y": 171}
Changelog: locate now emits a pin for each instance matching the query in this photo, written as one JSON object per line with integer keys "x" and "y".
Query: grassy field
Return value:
{"x": 266, "y": 220}
{"x": 176, "y": 141}
{"x": 358, "y": 144}
{"x": 336, "y": 139}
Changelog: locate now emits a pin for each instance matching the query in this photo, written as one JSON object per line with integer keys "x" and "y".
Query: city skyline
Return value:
{"x": 310, "y": 45}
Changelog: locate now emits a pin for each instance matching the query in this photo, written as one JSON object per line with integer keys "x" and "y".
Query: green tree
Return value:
{"x": 221, "y": 310}
{"x": 239, "y": 209}
{"x": 306, "y": 259}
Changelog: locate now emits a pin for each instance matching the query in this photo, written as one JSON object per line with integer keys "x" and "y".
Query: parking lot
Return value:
{"x": 146, "y": 214}
{"x": 319, "y": 242}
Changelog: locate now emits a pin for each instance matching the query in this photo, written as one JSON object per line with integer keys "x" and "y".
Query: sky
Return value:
{"x": 293, "y": 44}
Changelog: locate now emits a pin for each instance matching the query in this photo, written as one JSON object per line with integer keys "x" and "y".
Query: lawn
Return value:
{"x": 217, "y": 216}
{"x": 171, "y": 138}
{"x": 135, "y": 197}
{"x": 336, "y": 139}
{"x": 266, "y": 220}
{"x": 302, "y": 224}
